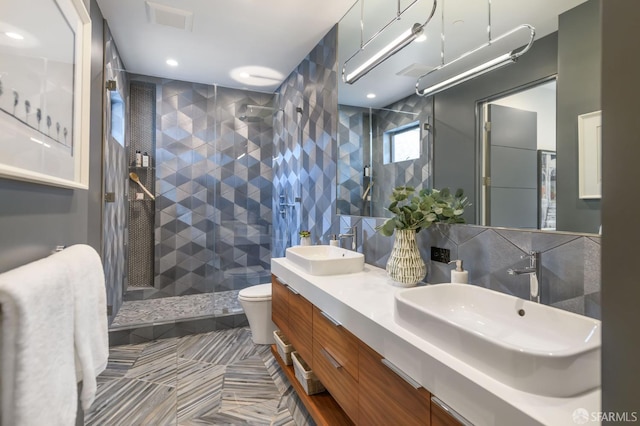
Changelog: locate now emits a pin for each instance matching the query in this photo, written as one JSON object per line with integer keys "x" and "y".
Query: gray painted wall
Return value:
{"x": 579, "y": 56}
{"x": 455, "y": 117}
{"x": 621, "y": 234}
{"x": 35, "y": 218}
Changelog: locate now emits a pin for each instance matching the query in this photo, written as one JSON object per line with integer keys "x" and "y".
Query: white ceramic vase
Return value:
{"x": 305, "y": 241}
{"x": 405, "y": 267}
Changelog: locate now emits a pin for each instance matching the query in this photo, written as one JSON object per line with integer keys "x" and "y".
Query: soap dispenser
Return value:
{"x": 334, "y": 241}
{"x": 459, "y": 275}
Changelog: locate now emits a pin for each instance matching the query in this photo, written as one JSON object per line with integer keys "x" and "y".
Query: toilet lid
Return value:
{"x": 261, "y": 291}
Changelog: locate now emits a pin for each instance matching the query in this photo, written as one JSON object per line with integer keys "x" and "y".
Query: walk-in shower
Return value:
{"x": 212, "y": 227}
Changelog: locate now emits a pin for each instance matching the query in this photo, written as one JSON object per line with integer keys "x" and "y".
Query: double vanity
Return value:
{"x": 441, "y": 354}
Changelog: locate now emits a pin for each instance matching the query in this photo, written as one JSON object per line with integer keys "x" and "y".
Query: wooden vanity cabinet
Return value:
{"x": 441, "y": 417}
{"x": 337, "y": 341}
{"x": 293, "y": 314}
{"x": 300, "y": 326}
{"x": 363, "y": 389}
{"x": 280, "y": 305}
{"x": 385, "y": 397}
{"x": 335, "y": 361}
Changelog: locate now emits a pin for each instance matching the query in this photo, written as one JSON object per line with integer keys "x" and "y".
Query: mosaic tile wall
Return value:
{"x": 141, "y": 210}
{"x": 305, "y": 148}
{"x": 213, "y": 206}
{"x": 115, "y": 172}
{"x": 570, "y": 262}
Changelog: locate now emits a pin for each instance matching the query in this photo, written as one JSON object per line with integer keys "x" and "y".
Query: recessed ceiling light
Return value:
{"x": 371, "y": 95}
{"x": 172, "y": 62}
{"x": 14, "y": 36}
{"x": 421, "y": 38}
{"x": 254, "y": 75}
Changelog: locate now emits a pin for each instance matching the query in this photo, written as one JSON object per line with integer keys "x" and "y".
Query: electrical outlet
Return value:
{"x": 440, "y": 254}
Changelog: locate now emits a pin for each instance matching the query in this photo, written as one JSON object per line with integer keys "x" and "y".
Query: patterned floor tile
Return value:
{"x": 277, "y": 375}
{"x": 247, "y": 382}
{"x": 257, "y": 414}
{"x": 220, "y": 347}
{"x": 133, "y": 402}
{"x": 218, "y": 378}
{"x": 199, "y": 389}
{"x": 121, "y": 359}
{"x": 157, "y": 363}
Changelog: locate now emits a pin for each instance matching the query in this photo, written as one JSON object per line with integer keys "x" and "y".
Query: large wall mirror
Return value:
{"x": 509, "y": 137}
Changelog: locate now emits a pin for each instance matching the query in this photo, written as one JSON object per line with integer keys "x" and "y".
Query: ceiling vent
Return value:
{"x": 169, "y": 16}
{"x": 415, "y": 70}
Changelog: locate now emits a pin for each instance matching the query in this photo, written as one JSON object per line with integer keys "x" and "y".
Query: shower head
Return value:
{"x": 255, "y": 113}
{"x": 251, "y": 119}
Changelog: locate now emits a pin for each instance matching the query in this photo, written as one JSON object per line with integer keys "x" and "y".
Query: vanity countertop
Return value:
{"x": 363, "y": 303}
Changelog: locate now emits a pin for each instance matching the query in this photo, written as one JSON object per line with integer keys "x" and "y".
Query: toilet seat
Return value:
{"x": 256, "y": 293}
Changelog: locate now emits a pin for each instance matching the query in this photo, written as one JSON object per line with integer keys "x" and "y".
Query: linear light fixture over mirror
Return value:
{"x": 387, "y": 51}
{"x": 460, "y": 66}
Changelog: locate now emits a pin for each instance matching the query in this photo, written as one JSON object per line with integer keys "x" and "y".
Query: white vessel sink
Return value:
{"x": 325, "y": 260}
{"x": 525, "y": 345}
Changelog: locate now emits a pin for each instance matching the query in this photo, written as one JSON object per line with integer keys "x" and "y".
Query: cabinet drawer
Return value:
{"x": 341, "y": 345}
{"x": 300, "y": 326}
{"x": 340, "y": 384}
{"x": 280, "y": 305}
{"x": 441, "y": 417}
{"x": 386, "y": 398}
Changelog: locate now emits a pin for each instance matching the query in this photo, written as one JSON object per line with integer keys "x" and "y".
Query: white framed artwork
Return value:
{"x": 45, "y": 61}
{"x": 590, "y": 155}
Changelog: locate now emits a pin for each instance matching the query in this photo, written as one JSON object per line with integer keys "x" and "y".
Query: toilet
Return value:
{"x": 256, "y": 302}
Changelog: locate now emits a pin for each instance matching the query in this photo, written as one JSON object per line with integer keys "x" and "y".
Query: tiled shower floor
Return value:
{"x": 158, "y": 311}
{"x": 140, "y": 321}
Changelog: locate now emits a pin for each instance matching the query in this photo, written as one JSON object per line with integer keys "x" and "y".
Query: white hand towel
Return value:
{"x": 90, "y": 315}
{"x": 38, "y": 383}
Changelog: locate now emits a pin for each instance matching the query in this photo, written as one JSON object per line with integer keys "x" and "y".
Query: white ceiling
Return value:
{"x": 264, "y": 38}
{"x": 268, "y": 39}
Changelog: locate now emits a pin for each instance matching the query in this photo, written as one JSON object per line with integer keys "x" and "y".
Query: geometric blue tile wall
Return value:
{"x": 213, "y": 189}
{"x": 417, "y": 173}
{"x": 305, "y": 148}
{"x": 570, "y": 262}
{"x": 353, "y": 155}
{"x": 354, "y": 152}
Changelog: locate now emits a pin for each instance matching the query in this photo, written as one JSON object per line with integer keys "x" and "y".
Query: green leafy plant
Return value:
{"x": 418, "y": 211}
{"x": 304, "y": 233}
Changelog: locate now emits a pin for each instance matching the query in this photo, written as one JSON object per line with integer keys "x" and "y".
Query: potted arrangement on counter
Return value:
{"x": 305, "y": 238}
{"x": 413, "y": 212}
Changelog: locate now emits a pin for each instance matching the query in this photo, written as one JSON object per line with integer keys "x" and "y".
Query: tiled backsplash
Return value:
{"x": 570, "y": 262}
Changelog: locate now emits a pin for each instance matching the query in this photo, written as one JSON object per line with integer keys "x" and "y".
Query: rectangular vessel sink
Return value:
{"x": 525, "y": 345}
{"x": 325, "y": 260}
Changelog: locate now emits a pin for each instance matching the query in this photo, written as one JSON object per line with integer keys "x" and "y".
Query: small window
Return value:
{"x": 405, "y": 143}
{"x": 117, "y": 117}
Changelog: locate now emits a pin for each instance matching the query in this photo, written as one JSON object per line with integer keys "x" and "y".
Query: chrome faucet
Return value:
{"x": 352, "y": 235}
{"x": 534, "y": 270}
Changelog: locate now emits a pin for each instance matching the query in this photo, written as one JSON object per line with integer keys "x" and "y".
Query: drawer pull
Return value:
{"x": 331, "y": 320}
{"x": 283, "y": 282}
{"x": 451, "y": 411}
{"x": 292, "y": 290}
{"x": 400, "y": 373}
{"x": 331, "y": 359}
